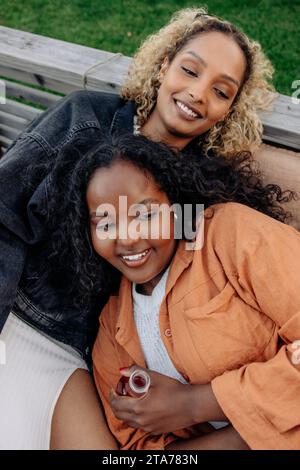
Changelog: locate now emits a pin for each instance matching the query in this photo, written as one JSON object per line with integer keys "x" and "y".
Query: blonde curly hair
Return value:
{"x": 242, "y": 129}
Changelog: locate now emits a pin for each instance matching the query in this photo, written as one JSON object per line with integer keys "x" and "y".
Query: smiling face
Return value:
{"x": 140, "y": 258}
{"x": 197, "y": 89}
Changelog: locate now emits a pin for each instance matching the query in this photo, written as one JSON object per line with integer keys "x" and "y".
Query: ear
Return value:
{"x": 163, "y": 69}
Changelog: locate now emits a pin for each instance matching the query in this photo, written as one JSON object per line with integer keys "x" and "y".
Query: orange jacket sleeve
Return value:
{"x": 262, "y": 400}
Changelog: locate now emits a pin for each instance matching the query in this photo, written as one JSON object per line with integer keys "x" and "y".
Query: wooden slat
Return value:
{"x": 282, "y": 122}
{"x": 9, "y": 132}
{"x": 4, "y": 142}
{"x": 13, "y": 121}
{"x": 20, "y": 109}
{"x": 34, "y": 79}
{"x": 61, "y": 61}
{"x": 30, "y": 94}
{"x": 275, "y": 135}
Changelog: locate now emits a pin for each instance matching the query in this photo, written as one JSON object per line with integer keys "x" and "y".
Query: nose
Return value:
{"x": 198, "y": 92}
{"x": 127, "y": 244}
{"x": 128, "y": 239}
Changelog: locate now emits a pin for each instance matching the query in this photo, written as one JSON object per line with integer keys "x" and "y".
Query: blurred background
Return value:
{"x": 121, "y": 25}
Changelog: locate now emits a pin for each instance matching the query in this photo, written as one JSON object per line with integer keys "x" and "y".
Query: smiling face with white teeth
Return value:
{"x": 141, "y": 260}
{"x": 197, "y": 89}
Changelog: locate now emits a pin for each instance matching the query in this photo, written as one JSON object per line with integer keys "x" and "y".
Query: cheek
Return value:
{"x": 166, "y": 251}
{"x": 162, "y": 227}
{"x": 166, "y": 88}
{"x": 218, "y": 109}
{"x": 104, "y": 248}
{"x": 166, "y": 240}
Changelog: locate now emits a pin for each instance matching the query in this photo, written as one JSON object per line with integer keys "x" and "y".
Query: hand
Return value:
{"x": 168, "y": 405}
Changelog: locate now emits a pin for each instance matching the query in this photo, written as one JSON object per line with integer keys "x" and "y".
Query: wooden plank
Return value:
{"x": 275, "y": 135}
{"x": 11, "y": 120}
{"x": 34, "y": 79}
{"x": 20, "y": 109}
{"x": 62, "y": 61}
{"x": 9, "y": 132}
{"x": 4, "y": 142}
{"x": 30, "y": 94}
{"x": 282, "y": 122}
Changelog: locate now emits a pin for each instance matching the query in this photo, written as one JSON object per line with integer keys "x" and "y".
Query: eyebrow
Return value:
{"x": 95, "y": 214}
{"x": 144, "y": 202}
{"x": 223, "y": 75}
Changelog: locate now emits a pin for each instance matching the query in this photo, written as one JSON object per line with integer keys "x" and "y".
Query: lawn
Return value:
{"x": 120, "y": 26}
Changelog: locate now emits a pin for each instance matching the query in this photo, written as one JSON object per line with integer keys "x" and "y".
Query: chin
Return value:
{"x": 143, "y": 279}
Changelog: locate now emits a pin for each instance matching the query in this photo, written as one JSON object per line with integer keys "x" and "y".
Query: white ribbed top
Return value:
{"x": 146, "y": 315}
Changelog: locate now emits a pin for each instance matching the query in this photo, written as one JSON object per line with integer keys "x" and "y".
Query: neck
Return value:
{"x": 156, "y": 132}
{"x": 148, "y": 287}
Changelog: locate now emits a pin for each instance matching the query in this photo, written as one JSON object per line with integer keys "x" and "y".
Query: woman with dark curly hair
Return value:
{"x": 206, "y": 320}
{"x": 199, "y": 83}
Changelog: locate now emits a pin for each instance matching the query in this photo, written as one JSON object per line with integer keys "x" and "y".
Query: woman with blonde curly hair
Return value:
{"x": 219, "y": 62}
{"x": 197, "y": 82}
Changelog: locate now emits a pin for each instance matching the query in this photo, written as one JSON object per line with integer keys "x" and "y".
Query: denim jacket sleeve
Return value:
{"x": 21, "y": 217}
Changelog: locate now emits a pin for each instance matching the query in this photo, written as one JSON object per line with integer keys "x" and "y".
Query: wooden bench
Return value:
{"x": 50, "y": 68}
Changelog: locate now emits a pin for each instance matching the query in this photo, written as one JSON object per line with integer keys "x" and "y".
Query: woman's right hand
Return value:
{"x": 168, "y": 406}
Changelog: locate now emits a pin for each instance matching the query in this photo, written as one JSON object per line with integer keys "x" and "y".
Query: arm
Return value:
{"x": 12, "y": 257}
{"x": 20, "y": 218}
{"x": 261, "y": 399}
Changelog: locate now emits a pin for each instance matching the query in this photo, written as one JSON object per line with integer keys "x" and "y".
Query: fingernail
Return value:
{"x": 122, "y": 369}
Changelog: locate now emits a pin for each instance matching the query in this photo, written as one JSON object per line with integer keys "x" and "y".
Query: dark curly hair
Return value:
{"x": 182, "y": 176}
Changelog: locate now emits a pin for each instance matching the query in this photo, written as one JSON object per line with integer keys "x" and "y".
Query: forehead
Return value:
{"x": 121, "y": 179}
{"x": 220, "y": 52}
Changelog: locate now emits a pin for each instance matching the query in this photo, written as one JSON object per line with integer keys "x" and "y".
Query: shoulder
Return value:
{"x": 79, "y": 112}
{"x": 233, "y": 214}
{"x": 229, "y": 225}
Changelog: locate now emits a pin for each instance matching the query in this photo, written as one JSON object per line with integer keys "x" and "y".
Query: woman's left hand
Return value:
{"x": 168, "y": 406}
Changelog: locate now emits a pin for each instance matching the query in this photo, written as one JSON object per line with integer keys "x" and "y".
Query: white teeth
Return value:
{"x": 135, "y": 257}
{"x": 186, "y": 109}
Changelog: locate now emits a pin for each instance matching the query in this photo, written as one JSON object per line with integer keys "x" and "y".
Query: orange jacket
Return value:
{"x": 229, "y": 317}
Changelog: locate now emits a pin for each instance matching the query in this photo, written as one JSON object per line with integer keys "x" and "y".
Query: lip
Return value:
{"x": 136, "y": 263}
{"x": 192, "y": 108}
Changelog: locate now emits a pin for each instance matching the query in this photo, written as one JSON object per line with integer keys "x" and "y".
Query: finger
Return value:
{"x": 127, "y": 371}
{"x": 124, "y": 403}
{"x": 112, "y": 395}
{"x": 126, "y": 418}
{"x": 116, "y": 400}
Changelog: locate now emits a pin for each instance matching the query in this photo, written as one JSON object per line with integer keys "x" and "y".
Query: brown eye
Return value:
{"x": 104, "y": 227}
{"x": 189, "y": 71}
{"x": 147, "y": 215}
{"x": 221, "y": 94}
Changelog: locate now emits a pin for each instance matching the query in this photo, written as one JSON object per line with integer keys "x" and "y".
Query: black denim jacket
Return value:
{"x": 23, "y": 214}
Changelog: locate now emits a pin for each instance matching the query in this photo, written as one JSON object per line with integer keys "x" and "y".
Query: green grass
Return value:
{"x": 120, "y": 26}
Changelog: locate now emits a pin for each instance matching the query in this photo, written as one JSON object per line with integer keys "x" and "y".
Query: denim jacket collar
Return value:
{"x": 122, "y": 122}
